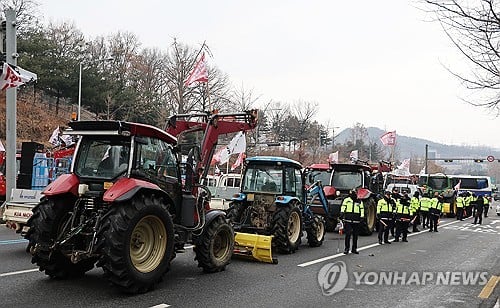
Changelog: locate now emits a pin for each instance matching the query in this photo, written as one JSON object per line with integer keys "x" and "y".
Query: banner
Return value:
{"x": 388, "y": 138}
{"x": 10, "y": 78}
{"x": 199, "y": 72}
{"x": 333, "y": 158}
{"x": 457, "y": 187}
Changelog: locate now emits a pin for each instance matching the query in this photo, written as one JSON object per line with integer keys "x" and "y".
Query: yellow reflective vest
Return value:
{"x": 425, "y": 204}
{"x": 352, "y": 210}
{"x": 460, "y": 202}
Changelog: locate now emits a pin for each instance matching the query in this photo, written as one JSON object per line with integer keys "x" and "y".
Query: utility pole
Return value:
{"x": 11, "y": 98}
{"x": 426, "y": 157}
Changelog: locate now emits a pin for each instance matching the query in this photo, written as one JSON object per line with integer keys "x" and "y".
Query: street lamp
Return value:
{"x": 80, "y": 81}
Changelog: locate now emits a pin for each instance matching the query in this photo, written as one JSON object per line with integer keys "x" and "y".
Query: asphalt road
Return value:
{"x": 415, "y": 276}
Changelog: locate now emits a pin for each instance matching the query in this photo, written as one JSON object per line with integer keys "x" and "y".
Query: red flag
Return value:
{"x": 388, "y": 138}
{"x": 217, "y": 156}
{"x": 199, "y": 73}
{"x": 239, "y": 161}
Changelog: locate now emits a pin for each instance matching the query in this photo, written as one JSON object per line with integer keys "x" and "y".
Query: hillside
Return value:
{"x": 407, "y": 147}
{"x": 35, "y": 121}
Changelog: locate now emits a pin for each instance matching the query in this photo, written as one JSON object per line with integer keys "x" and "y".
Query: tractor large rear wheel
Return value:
{"x": 46, "y": 226}
{"x": 214, "y": 247}
{"x": 287, "y": 229}
{"x": 370, "y": 220}
{"x": 137, "y": 242}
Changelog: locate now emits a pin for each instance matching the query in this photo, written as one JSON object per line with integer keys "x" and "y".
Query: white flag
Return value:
{"x": 333, "y": 158}
{"x": 54, "y": 138}
{"x": 457, "y": 187}
{"x": 2, "y": 148}
{"x": 11, "y": 78}
{"x": 354, "y": 155}
{"x": 67, "y": 140}
{"x": 404, "y": 168}
{"x": 237, "y": 145}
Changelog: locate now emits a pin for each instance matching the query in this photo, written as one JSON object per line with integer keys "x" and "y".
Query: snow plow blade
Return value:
{"x": 254, "y": 246}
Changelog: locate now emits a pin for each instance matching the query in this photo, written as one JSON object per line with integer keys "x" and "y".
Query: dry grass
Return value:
{"x": 36, "y": 118}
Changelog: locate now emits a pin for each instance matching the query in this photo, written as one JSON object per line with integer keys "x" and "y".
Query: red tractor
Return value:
{"x": 338, "y": 180}
{"x": 128, "y": 207}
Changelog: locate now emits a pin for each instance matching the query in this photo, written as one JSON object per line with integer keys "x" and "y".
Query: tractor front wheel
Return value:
{"x": 214, "y": 247}
{"x": 368, "y": 225}
{"x": 316, "y": 231}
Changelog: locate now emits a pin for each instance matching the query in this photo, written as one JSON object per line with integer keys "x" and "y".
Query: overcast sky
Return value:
{"x": 379, "y": 63}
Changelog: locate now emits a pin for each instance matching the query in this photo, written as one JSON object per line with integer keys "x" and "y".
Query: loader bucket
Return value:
{"x": 254, "y": 246}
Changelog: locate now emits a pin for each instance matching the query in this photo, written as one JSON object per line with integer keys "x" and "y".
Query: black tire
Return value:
{"x": 132, "y": 239}
{"x": 370, "y": 221}
{"x": 287, "y": 229}
{"x": 234, "y": 212}
{"x": 214, "y": 247}
{"x": 316, "y": 231}
{"x": 47, "y": 221}
{"x": 330, "y": 224}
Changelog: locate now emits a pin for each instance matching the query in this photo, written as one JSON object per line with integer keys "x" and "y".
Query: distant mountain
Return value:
{"x": 407, "y": 147}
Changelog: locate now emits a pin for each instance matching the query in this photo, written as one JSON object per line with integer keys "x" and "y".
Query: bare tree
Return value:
{"x": 304, "y": 112}
{"x": 26, "y": 13}
{"x": 474, "y": 28}
{"x": 243, "y": 99}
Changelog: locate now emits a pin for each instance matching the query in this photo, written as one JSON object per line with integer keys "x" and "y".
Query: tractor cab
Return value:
{"x": 272, "y": 175}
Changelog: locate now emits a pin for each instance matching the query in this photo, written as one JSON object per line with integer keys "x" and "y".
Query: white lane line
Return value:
{"x": 363, "y": 248}
{"x": 36, "y": 269}
{"x": 19, "y": 272}
{"x": 19, "y": 241}
{"x": 160, "y": 306}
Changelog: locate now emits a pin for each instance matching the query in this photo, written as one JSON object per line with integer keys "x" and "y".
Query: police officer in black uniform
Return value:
{"x": 384, "y": 215}
{"x": 478, "y": 205}
{"x": 352, "y": 211}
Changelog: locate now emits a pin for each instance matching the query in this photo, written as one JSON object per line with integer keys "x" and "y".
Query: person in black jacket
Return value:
{"x": 478, "y": 205}
{"x": 352, "y": 211}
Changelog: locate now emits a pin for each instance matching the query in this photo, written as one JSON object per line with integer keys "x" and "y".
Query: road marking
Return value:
{"x": 489, "y": 287}
{"x": 364, "y": 248}
{"x": 8, "y": 242}
{"x": 18, "y": 272}
{"x": 160, "y": 306}
{"x": 36, "y": 269}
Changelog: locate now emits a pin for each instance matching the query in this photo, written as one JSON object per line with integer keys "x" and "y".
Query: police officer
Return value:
{"x": 352, "y": 211}
{"x": 384, "y": 215}
{"x": 435, "y": 211}
{"x": 425, "y": 205}
{"x": 403, "y": 215}
{"x": 396, "y": 198}
{"x": 486, "y": 205}
{"x": 415, "y": 208}
{"x": 460, "y": 206}
{"x": 478, "y": 205}
{"x": 468, "y": 204}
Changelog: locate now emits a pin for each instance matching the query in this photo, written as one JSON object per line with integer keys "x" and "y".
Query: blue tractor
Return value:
{"x": 273, "y": 202}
